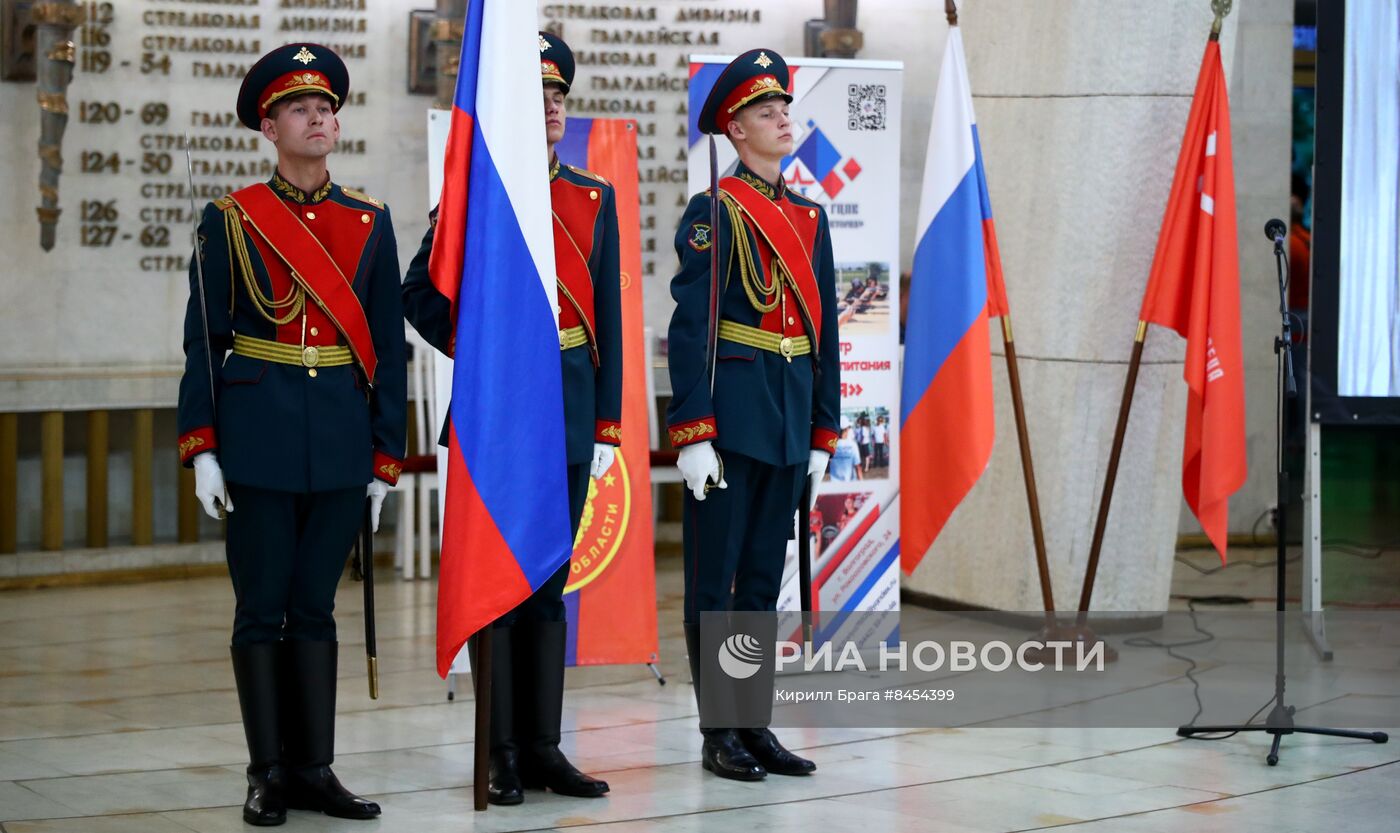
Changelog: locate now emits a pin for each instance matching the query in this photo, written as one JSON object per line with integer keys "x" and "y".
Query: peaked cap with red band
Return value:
{"x": 294, "y": 69}
{"x": 556, "y": 62}
{"x": 756, "y": 75}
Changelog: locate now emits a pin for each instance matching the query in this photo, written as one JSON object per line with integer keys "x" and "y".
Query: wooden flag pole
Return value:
{"x": 1042, "y": 562}
{"x": 1106, "y": 499}
{"x": 481, "y": 673}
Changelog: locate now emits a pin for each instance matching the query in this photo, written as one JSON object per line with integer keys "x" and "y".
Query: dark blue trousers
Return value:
{"x": 735, "y": 539}
{"x": 286, "y": 551}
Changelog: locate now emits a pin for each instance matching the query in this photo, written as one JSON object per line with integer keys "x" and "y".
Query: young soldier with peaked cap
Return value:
{"x": 529, "y": 642}
{"x": 300, "y": 280}
{"x": 767, "y": 419}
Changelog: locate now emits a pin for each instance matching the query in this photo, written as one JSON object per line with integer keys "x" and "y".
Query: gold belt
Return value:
{"x": 276, "y": 351}
{"x": 785, "y": 346}
{"x": 572, "y": 337}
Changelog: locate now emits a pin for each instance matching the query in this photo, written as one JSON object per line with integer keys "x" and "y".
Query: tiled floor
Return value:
{"x": 117, "y": 714}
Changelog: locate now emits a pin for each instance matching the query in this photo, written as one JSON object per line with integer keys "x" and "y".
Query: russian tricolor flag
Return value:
{"x": 947, "y": 424}
{"x": 506, "y": 515}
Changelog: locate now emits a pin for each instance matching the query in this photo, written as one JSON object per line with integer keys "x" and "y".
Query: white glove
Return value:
{"x": 209, "y": 486}
{"x": 376, "y": 492}
{"x": 603, "y": 455}
{"x": 816, "y": 469}
{"x": 699, "y": 464}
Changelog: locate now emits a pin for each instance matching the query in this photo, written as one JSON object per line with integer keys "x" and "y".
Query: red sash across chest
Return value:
{"x": 790, "y": 232}
{"x": 575, "y": 218}
{"x": 293, "y": 252}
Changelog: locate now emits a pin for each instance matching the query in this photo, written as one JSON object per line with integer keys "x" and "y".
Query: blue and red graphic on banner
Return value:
{"x": 820, "y": 165}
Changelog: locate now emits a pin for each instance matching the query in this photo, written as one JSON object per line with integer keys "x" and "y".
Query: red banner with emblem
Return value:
{"x": 611, "y": 593}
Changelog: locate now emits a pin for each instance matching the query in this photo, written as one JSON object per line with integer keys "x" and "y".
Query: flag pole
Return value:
{"x": 1042, "y": 562}
{"x": 481, "y": 762}
{"x": 1114, "y": 455}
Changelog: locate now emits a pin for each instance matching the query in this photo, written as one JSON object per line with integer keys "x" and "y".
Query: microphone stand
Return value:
{"x": 1280, "y": 719}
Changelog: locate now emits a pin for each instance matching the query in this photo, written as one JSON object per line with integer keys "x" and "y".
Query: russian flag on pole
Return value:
{"x": 946, "y": 422}
{"x": 506, "y": 515}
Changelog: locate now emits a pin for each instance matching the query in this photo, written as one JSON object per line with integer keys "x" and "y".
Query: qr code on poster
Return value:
{"x": 865, "y": 107}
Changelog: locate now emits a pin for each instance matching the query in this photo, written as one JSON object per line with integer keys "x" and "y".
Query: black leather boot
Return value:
{"x": 504, "y": 788}
{"x": 543, "y": 765}
{"x": 255, "y": 673}
{"x": 765, "y": 747}
{"x": 760, "y": 741}
{"x": 308, "y": 747}
{"x": 723, "y": 753}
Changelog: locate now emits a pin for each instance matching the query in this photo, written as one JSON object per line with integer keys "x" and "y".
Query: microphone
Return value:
{"x": 1275, "y": 230}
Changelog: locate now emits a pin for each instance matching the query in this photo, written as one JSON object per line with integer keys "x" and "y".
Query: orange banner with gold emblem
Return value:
{"x": 611, "y": 593}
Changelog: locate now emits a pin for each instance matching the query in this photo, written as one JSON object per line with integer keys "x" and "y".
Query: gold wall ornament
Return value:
{"x": 53, "y": 102}
{"x": 65, "y": 51}
{"x": 55, "y": 21}
{"x": 57, "y": 13}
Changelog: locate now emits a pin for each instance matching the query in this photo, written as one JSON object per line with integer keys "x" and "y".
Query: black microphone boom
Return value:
{"x": 1275, "y": 230}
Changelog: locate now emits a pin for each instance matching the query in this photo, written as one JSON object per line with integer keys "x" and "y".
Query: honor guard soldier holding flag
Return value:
{"x": 529, "y": 642}
{"x": 299, "y": 278}
{"x": 754, "y": 374}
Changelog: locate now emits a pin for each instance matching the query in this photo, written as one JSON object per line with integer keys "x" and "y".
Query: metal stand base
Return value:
{"x": 1278, "y": 724}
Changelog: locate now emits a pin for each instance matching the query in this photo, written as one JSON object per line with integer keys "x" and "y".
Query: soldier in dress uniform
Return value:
{"x": 528, "y": 643}
{"x": 751, "y": 426}
{"x": 299, "y": 278}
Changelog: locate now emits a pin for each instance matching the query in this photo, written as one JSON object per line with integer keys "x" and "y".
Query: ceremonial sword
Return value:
{"x": 365, "y": 550}
{"x": 203, "y": 307}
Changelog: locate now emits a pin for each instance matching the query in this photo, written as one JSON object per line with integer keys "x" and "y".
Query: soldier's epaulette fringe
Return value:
{"x": 224, "y": 203}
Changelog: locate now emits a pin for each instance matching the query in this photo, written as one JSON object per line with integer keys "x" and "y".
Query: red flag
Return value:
{"x": 1195, "y": 290}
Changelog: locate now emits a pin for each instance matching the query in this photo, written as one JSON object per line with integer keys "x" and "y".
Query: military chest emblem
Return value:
{"x": 700, "y": 237}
